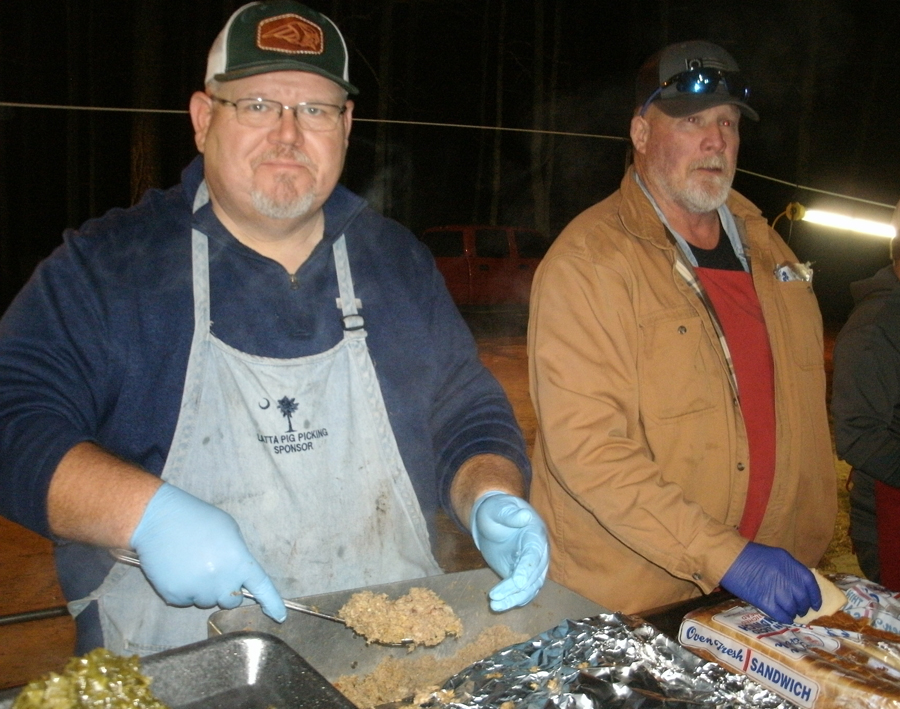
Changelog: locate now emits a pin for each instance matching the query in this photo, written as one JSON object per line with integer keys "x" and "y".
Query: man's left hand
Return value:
{"x": 773, "y": 581}
{"x": 513, "y": 540}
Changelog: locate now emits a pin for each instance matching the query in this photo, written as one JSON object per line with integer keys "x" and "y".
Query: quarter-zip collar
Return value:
{"x": 341, "y": 208}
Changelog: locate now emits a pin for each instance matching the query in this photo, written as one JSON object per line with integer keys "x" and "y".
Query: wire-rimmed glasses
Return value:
{"x": 265, "y": 113}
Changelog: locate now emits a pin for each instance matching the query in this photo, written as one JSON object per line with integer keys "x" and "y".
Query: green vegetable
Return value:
{"x": 98, "y": 680}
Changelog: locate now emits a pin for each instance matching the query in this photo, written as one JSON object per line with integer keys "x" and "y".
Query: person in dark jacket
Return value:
{"x": 252, "y": 379}
{"x": 865, "y": 404}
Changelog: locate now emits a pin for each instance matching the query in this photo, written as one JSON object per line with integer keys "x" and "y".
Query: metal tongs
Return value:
{"x": 127, "y": 556}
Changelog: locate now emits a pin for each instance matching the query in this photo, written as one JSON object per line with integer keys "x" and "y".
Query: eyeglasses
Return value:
{"x": 702, "y": 81}
{"x": 263, "y": 113}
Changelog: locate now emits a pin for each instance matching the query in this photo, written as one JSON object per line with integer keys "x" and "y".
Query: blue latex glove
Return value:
{"x": 512, "y": 539}
{"x": 194, "y": 555}
{"x": 773, "y": 581}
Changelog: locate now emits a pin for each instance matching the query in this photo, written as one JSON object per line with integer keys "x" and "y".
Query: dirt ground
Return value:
{"x": 501, "y": 345}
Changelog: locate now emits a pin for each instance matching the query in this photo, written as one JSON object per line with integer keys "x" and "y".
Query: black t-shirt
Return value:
{"x": 722, "y": 256}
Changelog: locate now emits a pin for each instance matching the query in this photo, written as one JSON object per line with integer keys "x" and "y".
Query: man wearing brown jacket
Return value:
{"x": 676, "y": 369}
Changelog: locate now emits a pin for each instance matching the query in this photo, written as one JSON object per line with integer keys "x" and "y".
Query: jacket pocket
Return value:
{"x": 676, "y": 365}
{"x": 802, "y": 323}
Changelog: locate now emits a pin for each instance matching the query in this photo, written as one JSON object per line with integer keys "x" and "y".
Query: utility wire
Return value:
{"x": 796, "y": 186}
{"x": 813, "y": 189}
{"x": 7, "y": 104}
{"x": 356, "y": 119}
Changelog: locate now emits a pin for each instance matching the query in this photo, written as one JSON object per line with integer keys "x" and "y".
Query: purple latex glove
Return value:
{"x": 194, "y": 555}
{"x": 773, "y": 581}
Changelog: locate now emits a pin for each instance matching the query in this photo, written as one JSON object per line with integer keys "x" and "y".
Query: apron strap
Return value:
{"x": 353, "y": 321}
{"x": 116, "y": 573}
{"x": 200, "y": 269}
{"x": 202, "y": 196}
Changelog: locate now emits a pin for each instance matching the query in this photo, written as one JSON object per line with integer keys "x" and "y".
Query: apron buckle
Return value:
{"x": 353, "y": 322}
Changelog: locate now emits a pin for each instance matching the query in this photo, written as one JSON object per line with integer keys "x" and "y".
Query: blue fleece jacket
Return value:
{"x": 95, "y": 346}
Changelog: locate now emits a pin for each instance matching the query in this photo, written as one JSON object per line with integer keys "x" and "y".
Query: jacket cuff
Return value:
{"x": 711, "y": 554}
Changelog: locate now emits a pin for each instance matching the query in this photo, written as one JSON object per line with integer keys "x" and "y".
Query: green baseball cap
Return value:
{"x": 279, "y": 35}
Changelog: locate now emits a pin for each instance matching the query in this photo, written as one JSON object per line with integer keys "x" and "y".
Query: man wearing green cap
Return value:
{"x": 253, "y": 380}
{"x": 676, "y": 359}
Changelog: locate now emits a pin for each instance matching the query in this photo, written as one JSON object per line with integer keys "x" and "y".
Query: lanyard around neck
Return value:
{"x": 685, "y": 262}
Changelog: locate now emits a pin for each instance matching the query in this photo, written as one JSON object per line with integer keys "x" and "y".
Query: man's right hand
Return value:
{"x": 773, "y": 581}
{"x": 193, "y": 554}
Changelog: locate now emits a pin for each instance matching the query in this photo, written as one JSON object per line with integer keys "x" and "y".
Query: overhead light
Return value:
{"x": 841, "y": 221}
{"x": 796, "y": 212}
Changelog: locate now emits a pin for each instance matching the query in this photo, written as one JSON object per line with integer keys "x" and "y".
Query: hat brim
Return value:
{"x": 682, "y": 105}
{"x": 287, "y": 65}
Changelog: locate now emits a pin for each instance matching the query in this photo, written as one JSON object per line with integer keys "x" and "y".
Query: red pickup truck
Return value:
{"x": 486, "y": 265}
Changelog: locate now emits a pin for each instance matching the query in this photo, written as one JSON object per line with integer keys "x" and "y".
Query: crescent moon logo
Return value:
{"x": 268, "y": 404}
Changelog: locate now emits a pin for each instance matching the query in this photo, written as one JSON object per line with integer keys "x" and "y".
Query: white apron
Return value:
{"x": 300, "y": 452}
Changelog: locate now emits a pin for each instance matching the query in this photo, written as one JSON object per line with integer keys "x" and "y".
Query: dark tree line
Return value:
{"x": 821, "y": 73}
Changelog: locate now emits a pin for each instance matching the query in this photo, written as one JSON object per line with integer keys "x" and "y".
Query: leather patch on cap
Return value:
{"x": 290, "y": 34}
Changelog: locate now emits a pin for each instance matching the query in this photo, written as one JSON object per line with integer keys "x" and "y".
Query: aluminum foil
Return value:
{"x": 607, "y": 661}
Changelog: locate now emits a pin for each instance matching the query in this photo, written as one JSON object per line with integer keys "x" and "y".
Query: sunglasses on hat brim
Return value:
{"x": 700, "y": 82}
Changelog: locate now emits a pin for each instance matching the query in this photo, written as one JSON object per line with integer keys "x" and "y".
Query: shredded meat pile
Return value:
{"x": 420, "y": 616}
{"x": 413, "y": 678}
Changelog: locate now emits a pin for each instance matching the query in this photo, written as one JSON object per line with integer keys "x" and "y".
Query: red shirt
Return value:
{"x": 740, "y": 314}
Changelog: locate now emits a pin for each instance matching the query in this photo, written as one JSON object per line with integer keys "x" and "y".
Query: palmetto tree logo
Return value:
{"x": 287, "y": 407}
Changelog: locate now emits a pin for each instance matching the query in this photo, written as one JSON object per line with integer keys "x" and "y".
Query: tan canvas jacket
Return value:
{"x": 641, "y": 458}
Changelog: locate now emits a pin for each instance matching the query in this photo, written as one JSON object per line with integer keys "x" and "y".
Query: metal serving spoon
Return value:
{"x": 127, "y": 556}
